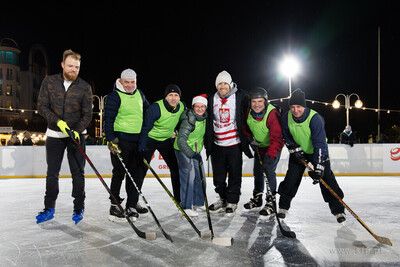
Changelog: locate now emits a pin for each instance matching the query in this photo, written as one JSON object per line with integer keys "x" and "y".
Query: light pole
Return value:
{"x": 357, "y": 104}
{"x": 289, "y": 67}
{"x": 101, "y": 100}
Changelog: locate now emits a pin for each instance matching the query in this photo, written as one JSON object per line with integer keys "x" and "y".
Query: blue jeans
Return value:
{"x": 190, "y": 179}
{"x": 259, "y": 182}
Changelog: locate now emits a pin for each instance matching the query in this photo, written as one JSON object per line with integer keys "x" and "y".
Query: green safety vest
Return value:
{"x": 196, "y": 136}
{"x": 259, "y": 128}
{"x": 130, "y": 113}
{"x": 301, "y": 132}
{"x": 164, "y": 127}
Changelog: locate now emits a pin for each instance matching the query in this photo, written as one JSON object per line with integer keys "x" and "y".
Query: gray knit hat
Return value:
{"x": 128, "y": 74}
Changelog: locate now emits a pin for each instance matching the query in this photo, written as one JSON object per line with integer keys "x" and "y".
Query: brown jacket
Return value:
{"x": 73, "y": 106}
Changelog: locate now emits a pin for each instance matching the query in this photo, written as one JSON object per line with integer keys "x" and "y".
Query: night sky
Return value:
{"x": 189, "y": 42}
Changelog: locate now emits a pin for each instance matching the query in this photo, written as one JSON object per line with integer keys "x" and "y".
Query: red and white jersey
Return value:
{"x": 224, "y": 124}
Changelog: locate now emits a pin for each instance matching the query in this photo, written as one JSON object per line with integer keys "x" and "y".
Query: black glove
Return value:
{"x": 351, "y": 143}
{"x": 297, "y": 152}
{"x": 267, "y": 161}
{"x": 318, "y": 173}
{"x": 254, "y": 145}
{"x": 197, "y": 156}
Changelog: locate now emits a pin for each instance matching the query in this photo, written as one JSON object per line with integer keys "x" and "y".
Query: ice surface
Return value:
{"x": 321, "y": 241}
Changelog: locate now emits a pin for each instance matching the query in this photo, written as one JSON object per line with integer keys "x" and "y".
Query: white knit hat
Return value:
{"x": 128, "y": 74}
{"x": 225, "y": 77}
{"x": 200, "y": 99}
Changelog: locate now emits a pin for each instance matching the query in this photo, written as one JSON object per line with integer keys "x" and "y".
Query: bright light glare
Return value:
{"x": 289, "y": 66}
{"x": 358, "y": 103}
{"x": 336, "y": 104}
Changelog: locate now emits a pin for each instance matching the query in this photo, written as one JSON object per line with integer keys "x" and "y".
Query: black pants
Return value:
{"x": 166, "y": 150}
{"x": 55, "y": 148}
{"x": 289, "y": 186}
{"x": 227, "y": 161}
{"x": 129, "y": 154}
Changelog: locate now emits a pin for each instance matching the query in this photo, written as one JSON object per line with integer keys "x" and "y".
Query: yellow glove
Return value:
{"x": 77, "y": 136}
{"x": 113, "y": 147}
{"x": 63, "y": 126}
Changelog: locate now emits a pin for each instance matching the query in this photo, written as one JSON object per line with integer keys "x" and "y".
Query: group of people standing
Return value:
{"x": 227, "y": 123}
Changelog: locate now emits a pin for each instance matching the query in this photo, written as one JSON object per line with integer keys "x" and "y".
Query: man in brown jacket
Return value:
{"x": 65, "y": 101}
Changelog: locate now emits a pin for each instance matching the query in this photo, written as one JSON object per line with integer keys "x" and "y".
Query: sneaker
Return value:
{"x": 282, "y": 213}
{"x": 340, "y": 217}
{"x": 115, "y": 214}
{"x": 199, "y": 208}
{"x": 45, "y": 215}
{"x": 77, "y": 216}
{"x": 191, "y": 213}
{"x": 231, "y": 209}
{"x": 218, "y": 206}
{"x": 142, "y": 211}
{"x": 132, "y": 214}
{"x": 255, "y": 203}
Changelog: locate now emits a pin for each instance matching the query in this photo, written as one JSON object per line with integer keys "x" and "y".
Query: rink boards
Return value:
{"x": 361, "y": 159}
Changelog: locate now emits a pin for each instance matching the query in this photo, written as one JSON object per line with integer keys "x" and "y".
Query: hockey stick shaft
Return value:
{"x": 380, "y": 239}
{"x": 148, "y": 235}
{"x": 173, "y": 199}
{"x": 284, "y": 232}
{"x": 167, "y": 236}
{"x": 203, "y": 187}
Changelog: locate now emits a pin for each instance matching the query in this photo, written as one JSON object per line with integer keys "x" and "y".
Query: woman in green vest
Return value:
{"x": 191, "y": 132}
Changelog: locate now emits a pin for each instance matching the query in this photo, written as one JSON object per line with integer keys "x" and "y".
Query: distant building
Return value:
{"x": 19, "y": 88}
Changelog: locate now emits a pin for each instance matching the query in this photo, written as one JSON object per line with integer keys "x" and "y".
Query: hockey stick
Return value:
{"x": 222, "y": 241}
{"x": 380, "y": 239}
{"x": 167, "y": 236}
{"x": 145, "y": 235}
{"x": 201, "y": 234}
{"x": 284, "y": 232}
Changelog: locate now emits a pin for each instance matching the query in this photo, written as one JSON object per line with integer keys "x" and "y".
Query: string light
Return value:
{"x": 388, "y": 111}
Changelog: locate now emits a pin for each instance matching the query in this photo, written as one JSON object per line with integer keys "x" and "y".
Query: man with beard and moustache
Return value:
{"x": 160, "y": 122}
{"x": 65, "y": 101}
{"x": 124, "y": 112}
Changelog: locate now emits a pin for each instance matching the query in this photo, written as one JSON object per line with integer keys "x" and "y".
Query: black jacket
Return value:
{"x": 242, "y": 104}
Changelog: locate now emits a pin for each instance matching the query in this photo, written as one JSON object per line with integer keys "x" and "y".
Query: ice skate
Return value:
{"x": 77, "y": 216}
{"x": 132, "y": 214}
{"x": 218, "y": 206}
{"x": 45, "y": 215}
{"x": 142, "y": 211}
{"x": 340, "y": 217}
{"x": 115, "y": 214}
{"x": 255, "y": 203}
{"x": 282, "y": 213}
{"x": 231, "y": 209}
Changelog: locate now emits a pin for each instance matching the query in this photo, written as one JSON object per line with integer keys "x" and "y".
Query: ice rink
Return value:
{"x": 321, "y": 241}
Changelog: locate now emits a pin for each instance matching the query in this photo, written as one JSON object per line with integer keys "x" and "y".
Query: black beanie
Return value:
{"x": 297, "y": 98}
{"x": 172, "y": 88}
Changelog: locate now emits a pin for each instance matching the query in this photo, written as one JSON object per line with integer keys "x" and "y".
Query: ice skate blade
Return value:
{"x": 117, "y": 219}
{"x": 223, "y": 241}
{"x": 230, "y": 215}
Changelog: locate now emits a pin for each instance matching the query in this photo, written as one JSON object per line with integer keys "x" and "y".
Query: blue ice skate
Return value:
{"x": 77, "y": 216}
{"x": 45, "y": 215}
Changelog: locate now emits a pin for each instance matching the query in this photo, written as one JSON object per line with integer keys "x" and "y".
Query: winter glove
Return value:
{"x": 317, "y": 173}
{"x": 351, "y": 143}
{"x": 77, "y": 136}
{"x": 254, "y": 145}
{"x": 63, "y": 126}
{"x": 113, "y": 146}
{"x": 197, "y": 156}
{"x": 297, "y": 152}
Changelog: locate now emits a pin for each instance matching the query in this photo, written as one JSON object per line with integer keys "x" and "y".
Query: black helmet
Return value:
{"x": 258, "y": 92}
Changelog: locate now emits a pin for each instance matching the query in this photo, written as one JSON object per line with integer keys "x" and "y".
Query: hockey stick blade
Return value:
{"x": 380, "y": 239}
{"x": 223, "y": 241}
{"x": 144, "y": 235}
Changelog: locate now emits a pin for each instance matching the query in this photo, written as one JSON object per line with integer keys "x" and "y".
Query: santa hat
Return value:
{"x": 200, "y": 99}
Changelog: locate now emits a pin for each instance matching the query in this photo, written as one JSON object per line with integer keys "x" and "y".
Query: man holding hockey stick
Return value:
{"x": 65, "y": 101}
{"x": 124, "y": 112}
{"x": 305, "y": 137}
{"x": 264, "y": 132}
